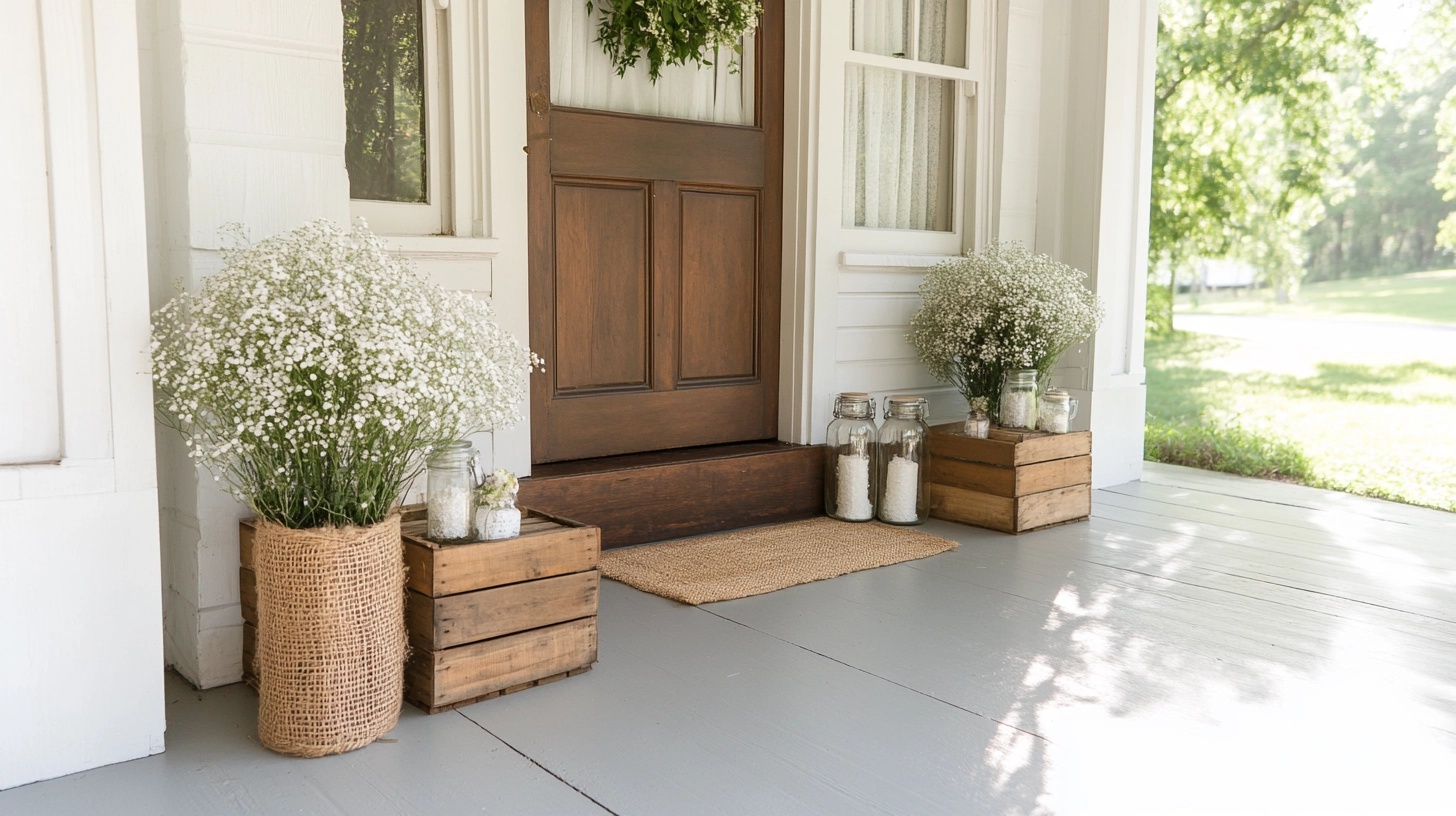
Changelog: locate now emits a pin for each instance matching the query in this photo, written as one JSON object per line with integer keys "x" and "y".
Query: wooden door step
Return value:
{"x": 655, "y": 496}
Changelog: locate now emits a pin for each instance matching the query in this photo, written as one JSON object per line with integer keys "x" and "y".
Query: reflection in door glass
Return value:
{"x": 583, "y": 77}
{"x": 384, "y": 147}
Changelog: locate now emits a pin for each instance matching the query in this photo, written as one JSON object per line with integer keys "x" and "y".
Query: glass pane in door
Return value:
{"x": 583, "y": 77}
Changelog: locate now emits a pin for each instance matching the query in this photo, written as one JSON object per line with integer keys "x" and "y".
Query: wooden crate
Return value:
{"x": 486, "y": 618}
{"x": 1016, "y": 482}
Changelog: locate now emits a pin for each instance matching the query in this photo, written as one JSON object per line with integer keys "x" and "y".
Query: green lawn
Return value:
{"x": 1377, "y": 419}
{"x": 1427, "y": 297}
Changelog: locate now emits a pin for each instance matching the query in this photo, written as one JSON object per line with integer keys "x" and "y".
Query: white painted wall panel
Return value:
{"x": 307, "y": 24}
{"x": 266, "y": 188}
{"x": 29, "y": 385}
{"x": 71, "y": 100}
{"x": 92, "y": 517}
{"x": 247, "y": 125}
{"x": 248, "y": 88}
{"x": 99, "y": 652}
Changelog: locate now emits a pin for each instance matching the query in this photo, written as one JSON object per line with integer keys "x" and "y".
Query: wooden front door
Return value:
{"x": 654, "y": 267}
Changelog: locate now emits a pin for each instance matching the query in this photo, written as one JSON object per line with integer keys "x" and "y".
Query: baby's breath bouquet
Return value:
{"x": 999, "y": 309}
{"x": 316, "y": 371}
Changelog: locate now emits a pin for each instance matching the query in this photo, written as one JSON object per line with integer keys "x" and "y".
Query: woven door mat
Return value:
{"x": 762, "y": 559}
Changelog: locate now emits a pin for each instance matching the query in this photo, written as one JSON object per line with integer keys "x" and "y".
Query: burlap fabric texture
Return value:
{"x": 331, "y": 637}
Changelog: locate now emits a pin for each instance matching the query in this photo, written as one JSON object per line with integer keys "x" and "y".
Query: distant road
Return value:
{"x": 1355, "y": 338}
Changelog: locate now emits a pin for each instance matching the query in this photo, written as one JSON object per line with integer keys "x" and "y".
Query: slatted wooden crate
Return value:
{"x": 486, "y": 618}
{"x": 1019, "y": 482}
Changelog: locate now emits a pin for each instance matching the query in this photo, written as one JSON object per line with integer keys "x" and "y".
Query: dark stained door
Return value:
{"x": 654, "y": 268}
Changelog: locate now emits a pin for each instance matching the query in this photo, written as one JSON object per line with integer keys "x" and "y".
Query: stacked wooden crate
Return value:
{"x": 1015, "y": 482}
{"x": 486, "y": 618}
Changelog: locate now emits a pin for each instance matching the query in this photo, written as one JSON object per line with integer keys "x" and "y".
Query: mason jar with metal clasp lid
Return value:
{"x": 902, "y": 461}
{"x": 450, "y": 493}
{"x": 1018, "y": 399}
{"x": 1058, "y": 409}
{"x": 849, "y": 462}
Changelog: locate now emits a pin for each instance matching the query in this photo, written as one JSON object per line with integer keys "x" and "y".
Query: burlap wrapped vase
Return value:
{"x": 331, "y": 636}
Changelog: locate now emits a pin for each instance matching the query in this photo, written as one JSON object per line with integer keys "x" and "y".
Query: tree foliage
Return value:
{"x": 1381, "y": 216}
{"x": 1248, "y": 126}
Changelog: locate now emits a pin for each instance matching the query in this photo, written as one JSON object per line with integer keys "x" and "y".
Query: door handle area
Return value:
{"x": 537, "y": 103}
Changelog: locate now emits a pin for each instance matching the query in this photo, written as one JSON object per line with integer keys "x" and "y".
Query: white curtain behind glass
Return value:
{"x": 583, "y": 77}
{"x": 896, "y": 126}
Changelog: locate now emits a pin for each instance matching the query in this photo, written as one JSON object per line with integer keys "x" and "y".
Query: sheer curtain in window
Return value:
{"x": 897, "y": 125}
{"x": 583, "y": 77}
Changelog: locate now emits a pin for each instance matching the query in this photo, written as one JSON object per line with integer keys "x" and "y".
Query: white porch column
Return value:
{"x": 1094, "y": 182}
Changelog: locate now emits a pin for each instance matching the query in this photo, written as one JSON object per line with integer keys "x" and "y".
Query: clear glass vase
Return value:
{"x": 902, "y": 461}
{"x": 450, "y": 494}
{"x": 849, "y": 463}
{"x": 1018, "y": 404}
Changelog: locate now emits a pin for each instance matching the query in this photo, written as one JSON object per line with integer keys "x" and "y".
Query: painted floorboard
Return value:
{"x": 1202, "y": 645}
{"x": 1155, "y": 544}
{"x": 1297, "y": 495}
{"x": 214, "y": 765}
{"x": 1127, "y": 676}
{"x": 1400, "y": 544}
{"x": 1417, "y": 538}
{"x": 689, "y": 713}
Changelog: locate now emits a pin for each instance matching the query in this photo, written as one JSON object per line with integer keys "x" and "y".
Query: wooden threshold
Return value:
{"x": 645, "y": 497}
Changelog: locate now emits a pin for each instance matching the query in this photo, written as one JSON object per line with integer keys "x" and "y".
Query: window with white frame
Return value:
{"x": 396, "y": 149}
{"x": 907, "y": 116}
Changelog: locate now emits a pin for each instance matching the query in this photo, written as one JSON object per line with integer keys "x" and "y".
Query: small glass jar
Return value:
{"x": 450, "y": 494}
{"x": 849, "y": 461}
{"x": 1058, "y": 409}
{"x": 496, "y": 523}
{"x": 1018, "y": 399}
{"x": 978, "y": 424}
{"x": 902, "y": 461}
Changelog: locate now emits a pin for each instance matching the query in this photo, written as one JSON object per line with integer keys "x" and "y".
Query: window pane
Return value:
{"x": 882, "y": 27}
{"x": 923, "y": 30}
{"x": 384, "y": 97}
{"x": 898, "y": 149}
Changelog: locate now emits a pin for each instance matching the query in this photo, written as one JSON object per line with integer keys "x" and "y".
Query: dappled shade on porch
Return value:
{"x": 1204, "y": 644}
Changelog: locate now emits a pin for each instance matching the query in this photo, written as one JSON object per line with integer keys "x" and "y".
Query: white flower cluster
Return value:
{"x": 727, "y": 20}
{"x": 498, "y": 489}
{"x": 316, "y": 371}
{"x": 997, "y": 309}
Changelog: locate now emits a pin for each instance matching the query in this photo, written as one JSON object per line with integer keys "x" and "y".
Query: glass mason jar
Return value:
{"x": 1058, "y": 409}
{"x": 1018, "y": 399}
{"x": 978, "y": 424}
{"x": 902, "y": 461}
{"x": 496, "y": 523}
{"x": 849, "y": 460}
{"x": 450, "y": 491}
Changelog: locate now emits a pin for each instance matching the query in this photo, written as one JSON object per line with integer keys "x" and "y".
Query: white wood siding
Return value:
{"x": 244, "y": 122}
{"x": 849, "y": 293}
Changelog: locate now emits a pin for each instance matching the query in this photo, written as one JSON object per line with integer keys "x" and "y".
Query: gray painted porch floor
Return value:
{"x": 1204, "y": 644}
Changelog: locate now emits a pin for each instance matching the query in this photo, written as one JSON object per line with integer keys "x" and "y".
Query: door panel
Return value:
{"x": 603, "y": 292}
{"x": 720, "y": 286}
{"x": 654, "y": 283}
{"x": 659, "y": 148}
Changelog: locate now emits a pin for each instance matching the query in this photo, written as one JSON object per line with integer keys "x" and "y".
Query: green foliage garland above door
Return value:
{"x": 672, "y": 32}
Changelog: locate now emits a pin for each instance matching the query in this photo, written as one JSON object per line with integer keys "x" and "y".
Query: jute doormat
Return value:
{"x": 762, "y": 559}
